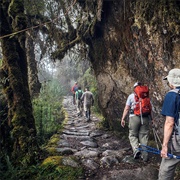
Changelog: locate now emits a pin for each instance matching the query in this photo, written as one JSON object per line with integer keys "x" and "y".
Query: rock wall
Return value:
{"x": 134, "y": 41}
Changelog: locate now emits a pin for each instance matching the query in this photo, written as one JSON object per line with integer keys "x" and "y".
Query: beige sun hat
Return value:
{"x": 173, "y": 77}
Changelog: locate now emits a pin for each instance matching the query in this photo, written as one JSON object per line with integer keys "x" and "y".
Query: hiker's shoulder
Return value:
{"x": 170, "y": 97}
{"x": 131, "y": 95}
{"x": 172, "y": 93}
{"x": 89, "y": 93}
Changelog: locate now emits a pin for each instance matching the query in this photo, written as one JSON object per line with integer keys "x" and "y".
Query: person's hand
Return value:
{"x": 123, "y": 123}
{"x": 164, "y": 151}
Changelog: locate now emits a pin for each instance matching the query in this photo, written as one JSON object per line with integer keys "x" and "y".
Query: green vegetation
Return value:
{"x": 49, "y": 117}
{"x": 48, "y": 111}
{"x": 51, "y": 168}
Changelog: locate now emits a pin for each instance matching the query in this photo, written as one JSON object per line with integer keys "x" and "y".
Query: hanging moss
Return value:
{"x": 17, "y": 92}
{"x": 15, "y": 7}
{"x": 155, "y": 13}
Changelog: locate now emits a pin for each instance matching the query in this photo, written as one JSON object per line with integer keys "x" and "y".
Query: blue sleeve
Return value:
{"x": 169, "y": 105}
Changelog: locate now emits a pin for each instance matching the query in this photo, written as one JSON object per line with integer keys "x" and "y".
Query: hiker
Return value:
{"x": 78, "y": 96}
{"x": 88, "y": 101}
{"x": 171, "y": 139}
{"x": 73, "y": 90}
{"x": 138, "y": 125}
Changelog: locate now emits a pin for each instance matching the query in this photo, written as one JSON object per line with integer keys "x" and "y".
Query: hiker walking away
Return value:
{"x": 78, "y": 96}
{"x": 139, "y": 110}
{"x": 88, "y": 101}
{"x": 73, "y": 90}
{"x": 171, "y": 139}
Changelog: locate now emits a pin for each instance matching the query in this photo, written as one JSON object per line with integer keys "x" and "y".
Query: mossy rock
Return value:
{"x": 54, "y": 140}
{"x": 55, "y": 160}
{"x": 52, "y": 151}
{"x": 53, "y": 168}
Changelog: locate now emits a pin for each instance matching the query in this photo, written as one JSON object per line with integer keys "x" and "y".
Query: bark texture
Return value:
{"x": 15, "y": 84}
{"x": 33, "y": 81}
{"x": 134, "y": 41}
{"x": 5, "y": 140}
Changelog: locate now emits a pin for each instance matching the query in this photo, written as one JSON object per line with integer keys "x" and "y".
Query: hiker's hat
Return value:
{"x": 173, "y": 77}
{"x": 137, "y": 84}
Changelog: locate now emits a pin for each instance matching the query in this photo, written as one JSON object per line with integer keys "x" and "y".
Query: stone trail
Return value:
{"x": 103, "y": 155}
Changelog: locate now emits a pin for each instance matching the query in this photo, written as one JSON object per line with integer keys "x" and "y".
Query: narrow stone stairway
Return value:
{"x": 103, "y": 155}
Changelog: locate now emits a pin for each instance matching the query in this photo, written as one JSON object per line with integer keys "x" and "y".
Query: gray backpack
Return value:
{"x": 177, "y": 122}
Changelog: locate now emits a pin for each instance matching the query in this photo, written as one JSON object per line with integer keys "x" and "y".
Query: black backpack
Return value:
{"x": 79, "y": 94}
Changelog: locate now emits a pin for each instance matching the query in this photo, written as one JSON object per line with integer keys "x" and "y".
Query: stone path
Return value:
{"x": 103, "y": 155}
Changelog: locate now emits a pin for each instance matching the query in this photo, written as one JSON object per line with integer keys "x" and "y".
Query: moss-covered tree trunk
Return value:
{"x": 34, "y": 84}
{"x": 20, "y": 115}
{"x": 5, "y": 140}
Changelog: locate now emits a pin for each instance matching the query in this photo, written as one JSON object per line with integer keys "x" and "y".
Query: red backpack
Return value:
{"x": 143, "y": 106}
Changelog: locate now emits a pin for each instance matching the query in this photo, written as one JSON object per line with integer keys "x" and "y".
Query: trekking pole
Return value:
{"x": 149, "y": 149}
{"x": 156, "y": 137}
{"x": 156, "y": 151}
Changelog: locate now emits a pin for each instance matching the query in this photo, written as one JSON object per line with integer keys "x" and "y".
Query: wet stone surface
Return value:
{"x": 103, "y": 155}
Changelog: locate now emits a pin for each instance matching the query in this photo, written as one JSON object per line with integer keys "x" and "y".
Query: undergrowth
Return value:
{"x": 48, "y": 171}
{"x": 49, "y": 116}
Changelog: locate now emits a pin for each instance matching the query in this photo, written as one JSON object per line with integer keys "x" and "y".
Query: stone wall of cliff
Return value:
{"x": 134, "y": 41}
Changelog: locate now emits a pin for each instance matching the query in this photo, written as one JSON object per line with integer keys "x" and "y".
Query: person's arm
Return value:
{"x": 82, "y": 97}
{"x": 168, "y": 129}
{"x": 72, "y": 89}
{"x": 92, "y": 100}
{"x": 125, "y": 112}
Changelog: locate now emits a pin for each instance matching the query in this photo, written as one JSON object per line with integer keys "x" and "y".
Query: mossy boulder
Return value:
{"x": 54, "y": 168}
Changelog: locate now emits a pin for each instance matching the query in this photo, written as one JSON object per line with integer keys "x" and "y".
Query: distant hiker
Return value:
{"x": 78, "y": 96}
{"x": 139, "y": 109}
{"x": 73, "y": 90}
{"x": 88, "y": 101}
{"x": 171, "y": 139}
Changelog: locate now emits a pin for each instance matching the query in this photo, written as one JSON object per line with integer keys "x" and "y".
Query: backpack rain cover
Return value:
{"x": 143, "y": 105}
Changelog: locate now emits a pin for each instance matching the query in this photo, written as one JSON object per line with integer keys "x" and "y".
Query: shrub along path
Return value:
{"x": 103, "y": 155}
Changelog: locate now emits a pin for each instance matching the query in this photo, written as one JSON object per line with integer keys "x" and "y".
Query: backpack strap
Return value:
{"x": 177, "y": 103}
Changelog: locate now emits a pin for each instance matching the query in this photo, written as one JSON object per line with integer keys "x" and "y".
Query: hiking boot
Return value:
{"x": 137, "y": 154}
{"x": 145, "y": 158}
